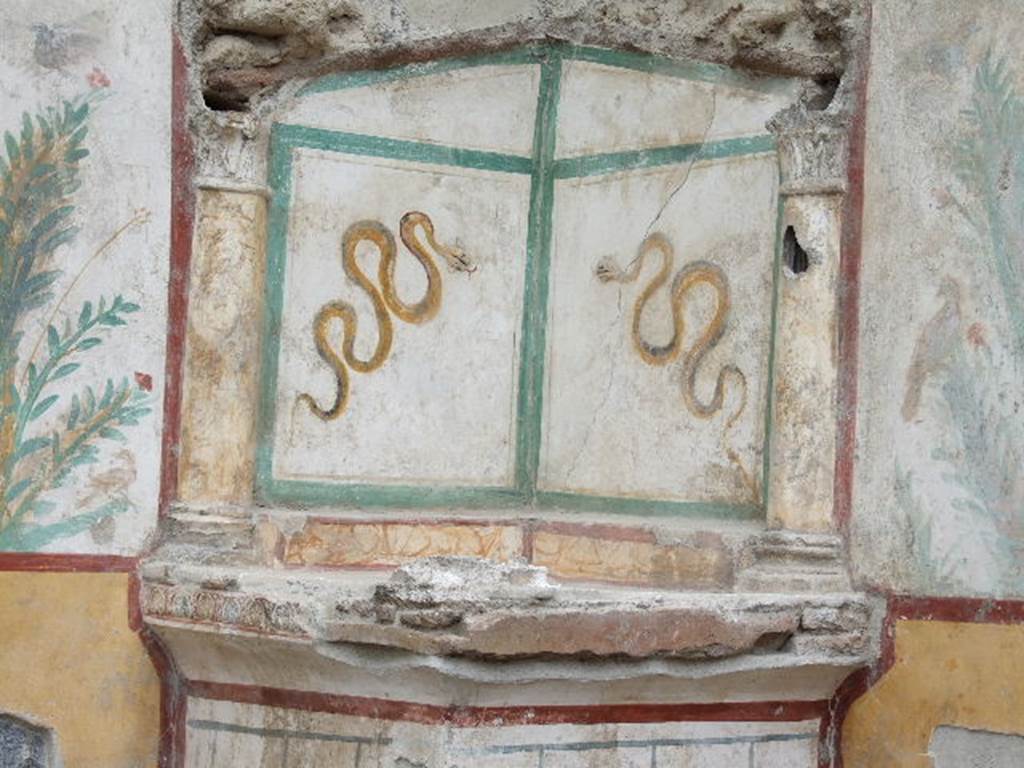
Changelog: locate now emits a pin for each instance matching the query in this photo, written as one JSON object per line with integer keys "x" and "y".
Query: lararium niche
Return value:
{"x": 540, "y": 278}
{"x": 544, "y": 416}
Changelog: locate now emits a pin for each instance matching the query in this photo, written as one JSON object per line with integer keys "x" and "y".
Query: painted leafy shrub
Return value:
{"x": 990, "y": 164}
{"x": 972, "y": 513}
{"x": 38, "y": 181}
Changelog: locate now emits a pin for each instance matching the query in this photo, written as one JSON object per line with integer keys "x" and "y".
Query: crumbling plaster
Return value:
{"x": 249, "y": 57}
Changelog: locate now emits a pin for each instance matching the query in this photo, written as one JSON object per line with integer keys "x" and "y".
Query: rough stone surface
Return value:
{"x": 235, "y": 51}
{"x": 252, "y": 54}
{"x": 433, "y": 581}
{"x": 785, "y": 561}
{"x": 804, "y": 38}
{"x": 462, "y": 606}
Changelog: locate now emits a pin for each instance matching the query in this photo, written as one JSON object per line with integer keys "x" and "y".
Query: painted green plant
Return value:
{"x": 989, "y": 161}
{"x": 979, "y": 451}
{"x": 40, "y": 450}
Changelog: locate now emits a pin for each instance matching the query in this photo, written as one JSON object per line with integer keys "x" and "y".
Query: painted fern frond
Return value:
{"x": 92, "y": 418}
{"x": 38, "y": 176}
{"x": 32, "y": 537}
{"x": 989, "y": 161}
{"x": 62, "y": 346}
{"x": 39, "y": 449}
{"x": 37, "y": 179}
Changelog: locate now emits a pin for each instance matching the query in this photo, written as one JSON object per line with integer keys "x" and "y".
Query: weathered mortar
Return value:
{"x": 248, "y": 55}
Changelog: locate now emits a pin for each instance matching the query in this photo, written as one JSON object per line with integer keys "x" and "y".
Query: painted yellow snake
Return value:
{"x": 690, "y": 275}
{"x": 383, "y": 299}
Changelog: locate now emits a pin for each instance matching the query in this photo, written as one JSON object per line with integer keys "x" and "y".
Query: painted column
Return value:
{"x": 221, "y": 379}
{"x": 803, "y": 438}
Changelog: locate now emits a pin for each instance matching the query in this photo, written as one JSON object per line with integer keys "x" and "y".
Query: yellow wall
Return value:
{"x": 945, "y": 673}
{"x": 69, "y": 660}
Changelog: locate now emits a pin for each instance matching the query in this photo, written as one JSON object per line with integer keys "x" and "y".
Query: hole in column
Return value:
{"x": 793, "y": 254}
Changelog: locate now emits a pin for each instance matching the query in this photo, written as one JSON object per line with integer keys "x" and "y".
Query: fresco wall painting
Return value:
{"x": 84, "y": 211}
{"x": 39, "y": 181}
{"x": 522, "y": 368}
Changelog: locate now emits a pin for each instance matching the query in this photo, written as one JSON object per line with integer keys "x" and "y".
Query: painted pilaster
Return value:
{"x": 803, "y": 438}
{"x": 222, "y": 345}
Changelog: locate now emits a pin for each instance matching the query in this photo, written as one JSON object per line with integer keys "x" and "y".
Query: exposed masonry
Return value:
{"x": 249, "y": 55}
{"x": 247, "y": 48}
{"x": 211, "y": 571}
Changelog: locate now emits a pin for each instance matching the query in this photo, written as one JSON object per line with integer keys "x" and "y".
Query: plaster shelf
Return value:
{"x": 468, "y": 626}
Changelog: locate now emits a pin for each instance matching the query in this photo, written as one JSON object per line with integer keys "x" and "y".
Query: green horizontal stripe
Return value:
{"x": 345, "y": 80}
{"x": 296, "y": 136}
{"x": 649, "y": 507}
{"x": 611, "y": 162}
{"x": 681, "y": 68}
{"x": 532, "y": 54}
{"x": 320, "y": 494}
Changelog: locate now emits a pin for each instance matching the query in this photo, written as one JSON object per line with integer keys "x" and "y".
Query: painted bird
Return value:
{"x": 934, "y": 346}
{"x": 60, "y": 45}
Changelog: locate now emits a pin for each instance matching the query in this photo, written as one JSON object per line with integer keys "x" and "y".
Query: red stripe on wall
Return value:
{"x": 849, "y": 297}
{"x": 173, "y": 699}
{"x": 65, "y": 563}
{"x": 963, "y": 609}
{"x": 466, "y": 717}
{"x": 182, "y": 219}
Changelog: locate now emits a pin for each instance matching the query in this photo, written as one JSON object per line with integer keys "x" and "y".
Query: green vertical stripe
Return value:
{"x": 535, "y": 293}
{"x": 770, "y": 399}
{"x": 280, "y": 181}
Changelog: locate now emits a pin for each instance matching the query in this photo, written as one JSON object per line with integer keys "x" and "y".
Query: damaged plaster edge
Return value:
{"x": 519, "y": 672}
{"x": 219, "y": 184}
{"x": 663, "y": 529}
{"x": 337, "y": 584}
{"x": 233, "y": 144}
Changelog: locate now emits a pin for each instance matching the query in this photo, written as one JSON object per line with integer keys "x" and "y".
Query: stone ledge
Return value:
{"x": 471, "y": 608}
{"x": 705, "y": 556}
{"x": 217, "y": 578}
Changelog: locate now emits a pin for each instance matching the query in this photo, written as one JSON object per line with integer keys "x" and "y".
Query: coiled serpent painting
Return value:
{"x": 384, "y": 298}
{"x": 688, "y": 277}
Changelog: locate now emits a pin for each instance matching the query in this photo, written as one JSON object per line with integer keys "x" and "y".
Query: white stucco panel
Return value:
{"x": 440, "y": 410}
{"x": 614, "y": 424}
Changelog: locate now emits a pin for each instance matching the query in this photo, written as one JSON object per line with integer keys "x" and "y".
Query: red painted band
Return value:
{"x": 600, "y": 531}
{"x": 65, "y": 563}
{"x": 182, "y": 219}
{"x": 467, "y": 717}
{"x": 849, "y": 297}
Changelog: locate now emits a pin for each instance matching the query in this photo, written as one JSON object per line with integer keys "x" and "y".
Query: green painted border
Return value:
{"x": 544, "y": 169}
{"x": 539, "y": 52}
{"x": 625, "y": 505}
{"x": 770, "y": 402}
{"x": 279, "y": 179}
{"x": 611, "y": 162}
{"x": 318, "y": 494}
{"x": 529, "y": 412}
{"x": 339, "y": 81}
{"x": 296, "y": 136}
{"x": 684, "y": 69}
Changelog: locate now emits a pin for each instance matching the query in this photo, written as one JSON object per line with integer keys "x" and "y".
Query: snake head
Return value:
{"x": 458, "y": 261}
{"x": 607, "y": 270}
